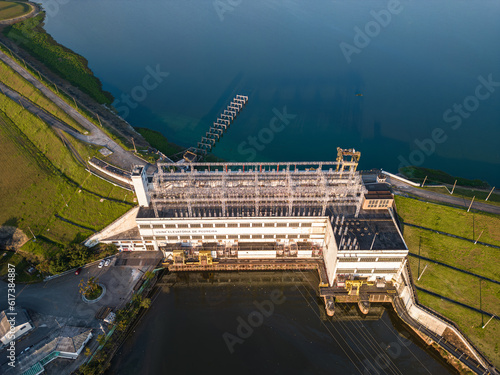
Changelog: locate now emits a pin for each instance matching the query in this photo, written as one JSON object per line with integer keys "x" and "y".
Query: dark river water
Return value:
{"x": 268, "y": 323}
{"x": 428, "y": 72}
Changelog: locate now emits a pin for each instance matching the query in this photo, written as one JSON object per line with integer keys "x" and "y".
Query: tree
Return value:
{"x": 88, "y": 287}
{"x": 145, "y": 303}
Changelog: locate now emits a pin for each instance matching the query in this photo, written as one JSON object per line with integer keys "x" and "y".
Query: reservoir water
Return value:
{"x": 193, "y": 327}
{"x": 428, "y": 72}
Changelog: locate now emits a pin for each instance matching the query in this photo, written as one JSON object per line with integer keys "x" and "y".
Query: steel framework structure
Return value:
{"x": 255, "y": 189}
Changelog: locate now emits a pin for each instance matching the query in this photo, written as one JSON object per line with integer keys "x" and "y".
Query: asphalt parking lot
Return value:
{"x": 57, "y": 302}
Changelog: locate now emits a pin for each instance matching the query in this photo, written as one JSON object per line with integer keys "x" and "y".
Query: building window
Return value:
{"x": 390, "y": 259}
{"x": 269, "y": 225}
{"x": 147, "y": 238}
{"x": 169, "y": 225}
{"x": 150, "y": 248}
{"x": 268, "y": 235}
{"x": 182, "y": 226}
{"x": 244, "y": 225}
{"x": 232, "y": 225}
{"x": 220, "y": 225}
{"x": 157, "y": 226}
{"x": 195, "y": 226}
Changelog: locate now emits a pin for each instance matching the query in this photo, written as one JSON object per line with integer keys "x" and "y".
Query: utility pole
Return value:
{"x": 473, "y": 226}
{"x": 34, "y": 237}
{"x": 374, "y": 236}
{"x": 419, "y": 243}
{"x": 475, "y": 242}
{"x": 471, "y": 203}
{"x": 489, "y": 320}
{"x": 490, "y": 193}
{"x": 455, "y": 184}
{"x": 424, "y": 271}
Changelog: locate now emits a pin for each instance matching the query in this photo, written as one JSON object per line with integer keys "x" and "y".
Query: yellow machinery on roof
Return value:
{"x": 353, "y": 285}
{"x": 341, "y": 153}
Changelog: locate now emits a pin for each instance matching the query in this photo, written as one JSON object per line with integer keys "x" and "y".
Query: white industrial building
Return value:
{"x": 264, "y": 211}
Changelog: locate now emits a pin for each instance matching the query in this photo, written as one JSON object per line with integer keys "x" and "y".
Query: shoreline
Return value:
{"x": 133, "y": 130}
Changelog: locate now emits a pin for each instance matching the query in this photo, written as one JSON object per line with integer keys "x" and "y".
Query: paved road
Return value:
{"x": 97, "y": 136}
{"x": 401, "y": 187}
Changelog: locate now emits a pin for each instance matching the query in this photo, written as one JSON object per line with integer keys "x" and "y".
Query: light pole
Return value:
{"x": 419, "y": 243}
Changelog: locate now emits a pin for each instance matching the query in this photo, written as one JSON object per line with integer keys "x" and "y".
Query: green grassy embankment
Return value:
{"x": 31, "y": 36}
{"x": 462, "y": 254}
{"x": 42, "y": 181}
{"x": 10, "y": 9}
{"x": 159, "y": 141}
{"x": 435, "y": 176}
{"x": 16, "y": 82}
{"x": 52, "y": 51}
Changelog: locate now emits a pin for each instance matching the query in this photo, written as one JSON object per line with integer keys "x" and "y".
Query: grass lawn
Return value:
{"x": 45, "y": 180}
{"x": 470, "y": 322}
{"x": 26, "y": 89}
{"x": 449, "y": 219}
{"x": 462, "y": 254}
{"x": 9, "y": 9}
{"x": 20, "y": 264}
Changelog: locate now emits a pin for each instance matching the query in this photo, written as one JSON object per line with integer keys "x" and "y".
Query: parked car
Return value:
{"x": 77, "y": 272}
{"x": 101, "y": 263}
{"x": 107, "y": 262}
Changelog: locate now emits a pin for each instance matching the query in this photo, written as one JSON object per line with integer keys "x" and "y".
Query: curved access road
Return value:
{"x": 97, "y": 136}
{"x": 402, "y": 188}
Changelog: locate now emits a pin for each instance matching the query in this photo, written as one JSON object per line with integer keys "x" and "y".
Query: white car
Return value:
{"x": 107, "y": 262}
{"x": 101, "y": 263}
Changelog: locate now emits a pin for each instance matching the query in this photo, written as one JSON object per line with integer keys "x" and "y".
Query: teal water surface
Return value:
{"x": 423, "y": 61}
